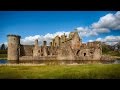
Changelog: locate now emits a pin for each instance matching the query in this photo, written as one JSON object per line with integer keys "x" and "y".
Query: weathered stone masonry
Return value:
{"x": 61, "y": 48}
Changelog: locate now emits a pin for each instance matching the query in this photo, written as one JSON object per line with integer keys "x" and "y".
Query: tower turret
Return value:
{"x": 13, "y": 47}
{"x": 45, "y": 49}
{"x": 36, "y": 43}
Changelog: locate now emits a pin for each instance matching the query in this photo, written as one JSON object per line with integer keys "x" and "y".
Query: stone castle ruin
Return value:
{"x": 61, "y": 48}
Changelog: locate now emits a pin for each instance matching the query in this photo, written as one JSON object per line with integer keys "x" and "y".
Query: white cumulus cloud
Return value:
{"x": 101, "y": 30}
{"x": 104, "y": 25}
{"x": 90, "y": 41}
{"x": 109, "y": 21}
{"x": 99, "y": 39}
{"x": 48, "y": 37}
{"x": 86, "y": 31}
{"x": 111, "y": 40}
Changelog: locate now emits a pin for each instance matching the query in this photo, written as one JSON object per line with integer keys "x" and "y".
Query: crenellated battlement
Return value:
{"x": 13, "y": 35}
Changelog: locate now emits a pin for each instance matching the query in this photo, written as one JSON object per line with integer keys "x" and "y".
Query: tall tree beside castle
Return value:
{"x": 2, "y": 47}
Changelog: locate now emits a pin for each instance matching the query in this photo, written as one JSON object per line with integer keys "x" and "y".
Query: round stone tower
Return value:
{"x": 13, "y": 47}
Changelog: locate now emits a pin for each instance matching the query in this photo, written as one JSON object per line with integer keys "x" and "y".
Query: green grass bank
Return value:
{"x": 96, "y": 71}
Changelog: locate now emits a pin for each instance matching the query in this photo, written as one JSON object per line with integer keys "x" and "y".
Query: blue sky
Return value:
{"x": 28, "y": 24}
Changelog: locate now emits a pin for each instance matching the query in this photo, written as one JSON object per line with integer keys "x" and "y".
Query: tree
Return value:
{"x": 2, "y": 47}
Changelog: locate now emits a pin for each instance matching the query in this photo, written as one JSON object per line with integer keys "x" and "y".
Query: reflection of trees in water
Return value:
{"x": 3, "y": 61}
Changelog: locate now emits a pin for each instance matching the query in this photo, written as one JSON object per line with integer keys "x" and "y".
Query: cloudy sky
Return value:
{"x": 44, "y": 25}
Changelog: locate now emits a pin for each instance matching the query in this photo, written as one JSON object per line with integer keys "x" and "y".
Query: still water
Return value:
{"x": 3, "y": 61}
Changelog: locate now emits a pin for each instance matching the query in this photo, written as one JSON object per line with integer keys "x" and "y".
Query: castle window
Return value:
{"x": 38, "y": 51}
{"x": 77, "y": 52}
{"x": 48, "y": 52}
{"x": 91, "y": 52}
{"x": 84, "y": 54}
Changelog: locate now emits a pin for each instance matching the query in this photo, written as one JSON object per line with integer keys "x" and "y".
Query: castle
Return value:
{"x": 61, "y": 48}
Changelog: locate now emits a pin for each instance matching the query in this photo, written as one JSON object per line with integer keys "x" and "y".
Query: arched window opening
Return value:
{"x": 38, "y": 51}
{"x": 91, "y": 52}
{"x": 84, "y": 54}
{"x": 77, "y": 52}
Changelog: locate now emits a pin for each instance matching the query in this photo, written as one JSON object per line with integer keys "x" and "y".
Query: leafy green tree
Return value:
{"x": 2, "y": 47}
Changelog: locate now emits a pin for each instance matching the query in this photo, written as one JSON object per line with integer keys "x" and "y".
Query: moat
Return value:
{"x": 3, "y": 61}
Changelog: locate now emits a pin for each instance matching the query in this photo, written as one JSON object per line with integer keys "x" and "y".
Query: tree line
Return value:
{"x": 3, "y": 49}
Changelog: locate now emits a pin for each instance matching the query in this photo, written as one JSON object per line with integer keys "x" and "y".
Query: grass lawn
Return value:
{"x": 96, "y": 71}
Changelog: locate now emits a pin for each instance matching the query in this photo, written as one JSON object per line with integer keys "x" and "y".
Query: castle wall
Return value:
{"x": 97, "y": 50}
{"x": 61, "y": 48}
{"x": 57, "y": 41}
{"x": 84, "y": 54}
{"x": 37, "y": 51}
{"x": 75, "y": 42}
{"x": 97, "y": 54}
{"x": 26, "y": 50}
{"x": 71, "y": 35}
{"x": 38, "y": 58}
{"x": 65, "y": 52}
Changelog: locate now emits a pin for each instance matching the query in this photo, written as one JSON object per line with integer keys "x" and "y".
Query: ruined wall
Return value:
{"x": 96, "y": 48}
{"x": 26, "y": 50}
{"x": 44, "y": 50}
{"x": 75, "y": 42}
{"x": 49, "y": 50}
{"x": 97, "y": 54}
{"x": 70, "y": 48}
{"x": 61, "y": 48}
{"x": 71, "y": 35}
{"x": 38, "y": 58}
{"x": 57, "y": 41}
{"x": 84, "y": 54}
{"x": 73, "y": 49}
{"x": 63, "y": 38}
{"x": 65, "y": 52}
{"x": 37, "y": 51}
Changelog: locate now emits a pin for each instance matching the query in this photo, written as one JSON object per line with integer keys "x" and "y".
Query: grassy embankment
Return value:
{"x": 96, "y": 71}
